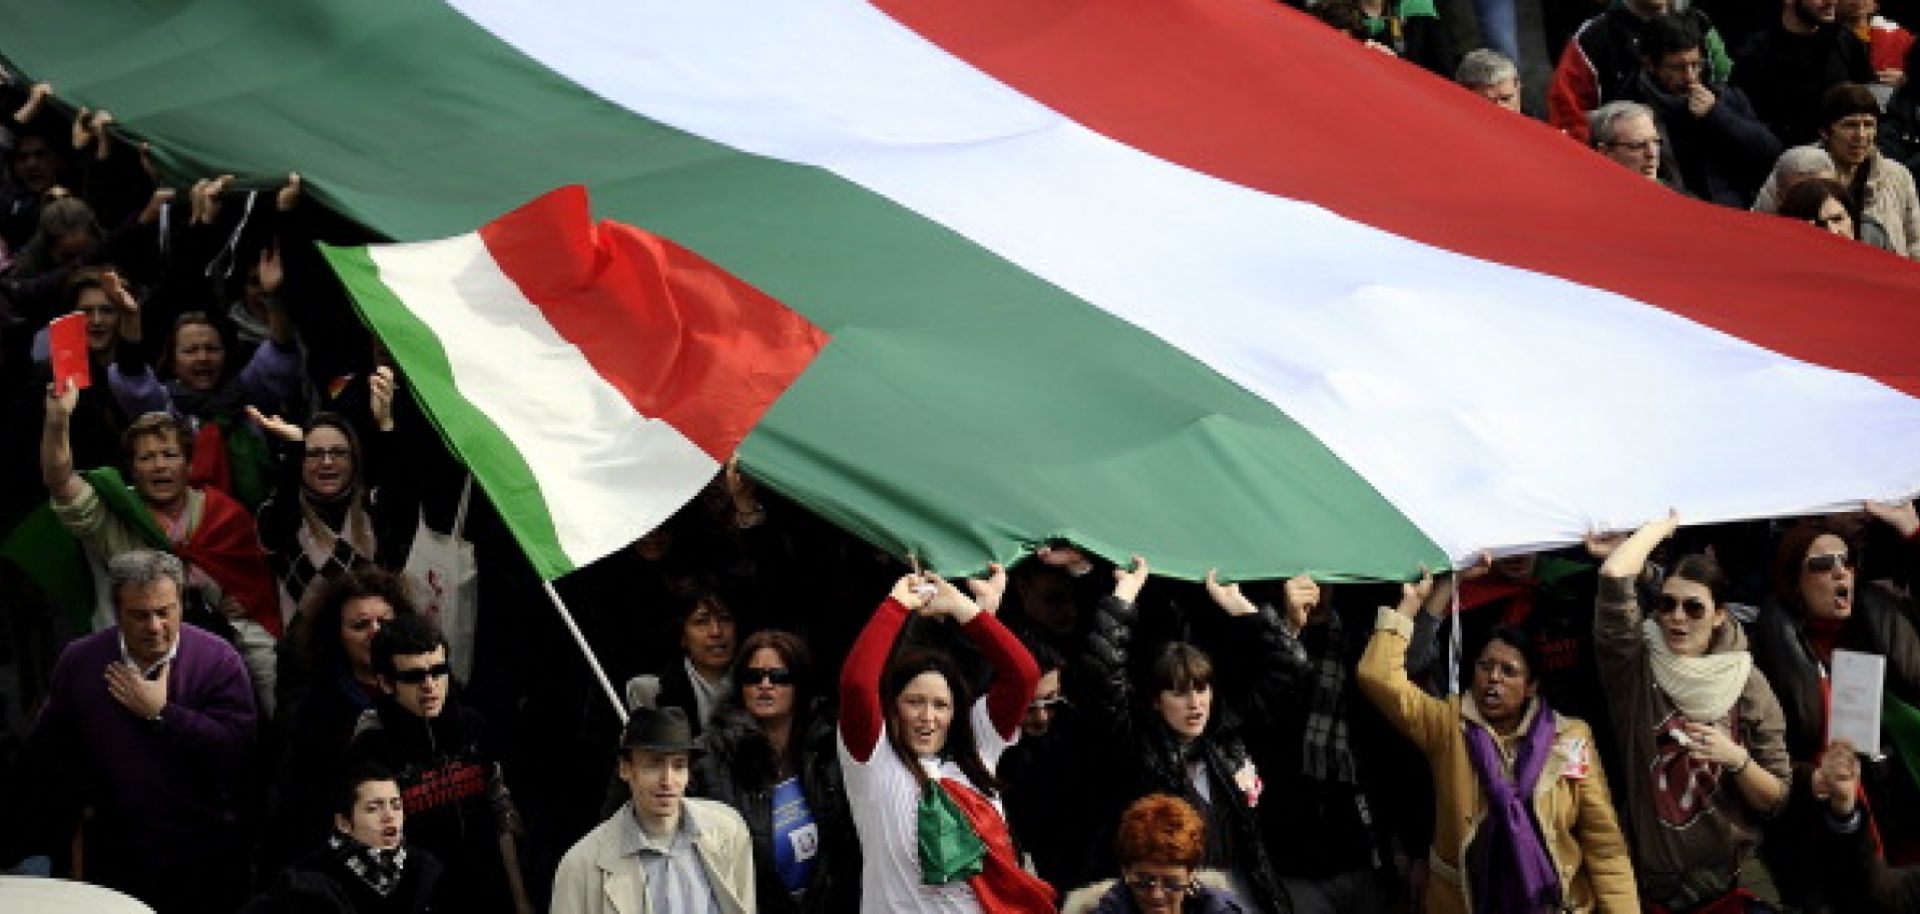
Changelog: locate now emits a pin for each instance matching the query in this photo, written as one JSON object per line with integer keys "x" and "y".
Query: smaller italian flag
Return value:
{"x": 594, "y": 377}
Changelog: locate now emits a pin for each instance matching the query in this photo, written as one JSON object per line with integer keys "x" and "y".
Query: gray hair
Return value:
{"x": 1803, "y": 162}
{"x": 1608, "y": 116}
{"x": 1485, "y": 67}
{"x": 144, "y": 568}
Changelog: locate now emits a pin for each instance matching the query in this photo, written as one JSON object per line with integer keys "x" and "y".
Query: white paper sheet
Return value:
{"x": 1855, "y": 714}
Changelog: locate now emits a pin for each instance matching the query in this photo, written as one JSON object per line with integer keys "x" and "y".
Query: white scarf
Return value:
{"x": 1704, "y": 688}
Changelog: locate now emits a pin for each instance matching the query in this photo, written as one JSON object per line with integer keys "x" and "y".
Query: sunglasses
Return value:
{"x": 1668, "y": 603}
{"x": 776, "y": 675}
{"x": 1150, "y": 884}
{"x": 1046, "y": 704}
{"x": 1821, "y": 564}
{"x": 416, "y": 677}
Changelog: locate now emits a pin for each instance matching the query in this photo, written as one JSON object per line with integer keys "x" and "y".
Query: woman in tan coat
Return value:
{"x": 1522, "y": 820}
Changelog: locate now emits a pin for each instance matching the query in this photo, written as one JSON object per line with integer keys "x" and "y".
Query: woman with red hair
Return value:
{"x": 1160, "y": 844}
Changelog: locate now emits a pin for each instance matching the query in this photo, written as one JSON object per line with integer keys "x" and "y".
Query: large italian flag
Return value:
{"x": 1199, "y": 280}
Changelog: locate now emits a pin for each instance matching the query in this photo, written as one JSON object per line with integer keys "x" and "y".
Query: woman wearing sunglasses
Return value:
{"x": 1160, "y": 844}
{"x": 770, "y": 756}
{"x": 1523, "y": 823}
{"x": 1702, "y": 738}
{"x": 1817, "y": 605}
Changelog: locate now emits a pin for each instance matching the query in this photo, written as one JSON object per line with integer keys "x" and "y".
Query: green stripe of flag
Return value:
{"x": 465, "y": 427}
{"x": 964, "y": 408}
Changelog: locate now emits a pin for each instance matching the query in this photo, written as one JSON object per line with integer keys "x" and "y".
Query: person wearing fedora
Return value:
{"x": 663, "y": 850}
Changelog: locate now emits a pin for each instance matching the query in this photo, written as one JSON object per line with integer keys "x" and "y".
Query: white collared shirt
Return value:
{"x": 148, "y": 671}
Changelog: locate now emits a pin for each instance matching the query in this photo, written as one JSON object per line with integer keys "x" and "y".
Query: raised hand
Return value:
{"x": 1303, "y": 597}
{"x": 1073, "y": 560}
{"x": 276, "y": 426}
{"x": 1127, "y": 583}
{"x": 1414, "y": 595}
{"x": 1900, "y": 515}
{"x": 161, "y": 199}
{"x": 990, "y": 590}
{"x": 116, "y": 290}
{"x": 1601, "y": 544}
{"x": 36, "y": 99}
{"x": 913, "y": 591}
{"x": 947, "y": 600}
{"x": 1628, "y": 557}
{"x": 60, "y": 404}
{"x": 1229, "y": 597}
{"x": 102, "y": 146}
{"x": 271, "y": 274}
{"x": 81, "y": 134}
{"x": 289, "y": 194}
{"x": 380, "y": 389}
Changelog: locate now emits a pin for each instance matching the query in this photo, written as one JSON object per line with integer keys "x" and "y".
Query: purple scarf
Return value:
{"x": 1510, "y": 872}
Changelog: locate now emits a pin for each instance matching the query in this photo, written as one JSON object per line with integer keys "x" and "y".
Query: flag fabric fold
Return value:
{"x": 1199, "y": 281}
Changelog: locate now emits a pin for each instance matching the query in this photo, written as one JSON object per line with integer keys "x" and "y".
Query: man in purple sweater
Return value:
{"x": 155, "y": 719}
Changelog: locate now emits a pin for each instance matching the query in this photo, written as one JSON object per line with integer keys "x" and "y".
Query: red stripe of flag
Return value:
{"x": 683, "y": 340}
{"x": 1260, "y": 95}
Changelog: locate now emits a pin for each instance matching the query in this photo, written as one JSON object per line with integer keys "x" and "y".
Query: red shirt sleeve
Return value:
{"x": 1015, "y": 674}
{"x": 861, "y": 718}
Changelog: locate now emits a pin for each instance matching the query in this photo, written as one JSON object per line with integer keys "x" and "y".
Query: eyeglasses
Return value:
{"x": 1151, "y": 884}
{"x": 1821, "y": 564}
{"x": 1668, "y": 603}
{"x": 1647, "y": 145}
{"x": 776, "y": 675}
{"x": 1046, "y": 704}
{"x": 1506, "y": 668}
{"x": 323, "y": 454}
{"x": 416, "y": 677}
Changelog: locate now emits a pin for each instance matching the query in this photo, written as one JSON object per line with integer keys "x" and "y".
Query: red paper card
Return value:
{"x": 67, "y": 344}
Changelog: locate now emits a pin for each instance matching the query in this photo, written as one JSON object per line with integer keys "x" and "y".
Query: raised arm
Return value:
{"x": 1424, "y": 719}
{"x": 1015, "y": 674}
{"x": 1617, "y": 640}
{"x": 1629, "y": 558}
{"x": 862, "y": 720}
{"x": 1283, "y": 672}
{"x": 1105, "y": 694}
{"x": 56, "y": 452}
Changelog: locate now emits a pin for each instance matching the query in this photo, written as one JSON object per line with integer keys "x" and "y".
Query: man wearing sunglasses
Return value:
{"x": 450, "y": 781}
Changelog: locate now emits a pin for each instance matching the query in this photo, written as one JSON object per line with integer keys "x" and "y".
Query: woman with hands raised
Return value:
{"x": 1522, "y": 818}
{"x": 919, "y": 753}
{"x": 1701, "y": 735}
{"x": 330, "y": 511}
{"x": 1171, "y": 734}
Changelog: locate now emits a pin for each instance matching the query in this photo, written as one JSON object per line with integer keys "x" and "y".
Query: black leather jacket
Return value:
{"x": 738, "y": 769}
{"x": 1157, "y": 762}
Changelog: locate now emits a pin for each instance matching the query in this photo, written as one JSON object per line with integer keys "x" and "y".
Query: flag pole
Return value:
{"x": 619, "y": 707}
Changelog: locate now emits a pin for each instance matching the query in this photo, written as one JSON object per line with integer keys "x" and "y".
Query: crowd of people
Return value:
{"x": 249, "y": 697}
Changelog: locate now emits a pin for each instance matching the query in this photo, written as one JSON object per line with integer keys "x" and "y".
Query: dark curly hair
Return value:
{"x": 329, "y": 599}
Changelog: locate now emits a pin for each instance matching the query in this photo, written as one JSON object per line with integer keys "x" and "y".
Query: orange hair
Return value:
{"x": 1159, "y": 828}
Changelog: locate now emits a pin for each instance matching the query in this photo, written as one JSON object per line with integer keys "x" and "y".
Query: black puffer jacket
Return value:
{"x": 1155, "y": 761}
{"x": 738, "y": 769}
